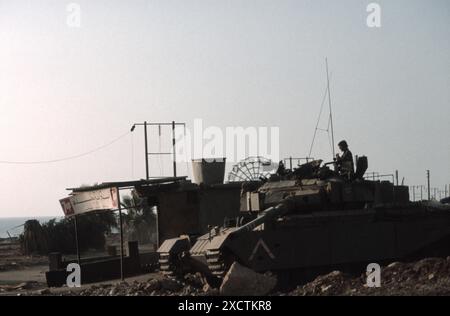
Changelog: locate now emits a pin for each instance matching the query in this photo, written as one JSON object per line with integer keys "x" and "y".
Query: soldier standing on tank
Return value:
{"x": 281, "y": 171}
{"x": 345, "y": 162}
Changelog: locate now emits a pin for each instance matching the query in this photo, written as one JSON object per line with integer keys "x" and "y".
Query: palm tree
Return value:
{"x": 140, "y": 220}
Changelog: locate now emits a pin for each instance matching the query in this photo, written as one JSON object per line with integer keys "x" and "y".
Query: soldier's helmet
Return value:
{"x": 343, "y": 144}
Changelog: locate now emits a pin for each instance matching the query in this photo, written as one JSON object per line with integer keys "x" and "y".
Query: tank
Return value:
{"x": 313, "y": 218}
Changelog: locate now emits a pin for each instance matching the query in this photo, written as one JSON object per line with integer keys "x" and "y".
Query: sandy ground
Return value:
{"x": 19, "y": 273}
{"x": 12, "y": 259}
{"x": 25, "y": 275}
{"x": 32, "y": 282}
{"x": 74, "y": 291}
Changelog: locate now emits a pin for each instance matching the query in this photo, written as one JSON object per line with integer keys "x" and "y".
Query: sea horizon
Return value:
{"x": 14, "y": 225}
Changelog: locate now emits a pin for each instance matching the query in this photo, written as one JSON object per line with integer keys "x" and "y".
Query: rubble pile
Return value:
{"x": 190, "y": 285}
{"x": 17, "y": 287}
{"x": 425, "y": 277}
{"x": 429, "y": 276}
{"x": 239, "y": 281}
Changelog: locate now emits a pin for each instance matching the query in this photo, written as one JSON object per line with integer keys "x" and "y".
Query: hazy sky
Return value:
{"x": 65, "y": 90}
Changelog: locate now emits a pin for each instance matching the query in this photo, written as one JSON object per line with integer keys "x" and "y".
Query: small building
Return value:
{"x": 184, "y": 207}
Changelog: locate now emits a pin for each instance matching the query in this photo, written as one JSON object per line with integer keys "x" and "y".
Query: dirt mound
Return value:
{"x": 190, "y": 285}
{"x": 429, "y": 276}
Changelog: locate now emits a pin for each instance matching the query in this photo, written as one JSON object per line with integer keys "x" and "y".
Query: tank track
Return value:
{"x": 171, "y": 265}
{"x": 168, "y": 264}
{"x": 216, "y": 263}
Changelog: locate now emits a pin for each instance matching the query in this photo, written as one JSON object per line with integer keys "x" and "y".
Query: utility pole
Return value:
{"x": 173, "y": 153}
{"x": 146, "y": 151}
{"x": 174, "y": 150}
{"x": 145, "y": 145}
{"x": 428, "y": 185}
{"x": 396, "y": 176}
{"x": 121, "y": 235}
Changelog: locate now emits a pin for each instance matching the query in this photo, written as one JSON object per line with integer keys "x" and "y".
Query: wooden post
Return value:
{"x": 121, "y": 235}
{"x": 76, "y": 239}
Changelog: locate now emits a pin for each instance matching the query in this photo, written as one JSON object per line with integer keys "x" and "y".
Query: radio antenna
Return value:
{"x": 331, "y": 113}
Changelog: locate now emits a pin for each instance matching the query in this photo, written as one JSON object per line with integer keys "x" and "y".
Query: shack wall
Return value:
{"x": 177, "y": 214}
{"x": 218, "y": 203}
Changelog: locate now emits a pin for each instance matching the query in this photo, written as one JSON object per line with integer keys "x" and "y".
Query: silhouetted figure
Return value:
{"x": 281, "y": 171}
{"x": 344, "y": 162}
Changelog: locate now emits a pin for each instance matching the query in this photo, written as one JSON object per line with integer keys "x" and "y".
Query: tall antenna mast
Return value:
{"x": 331, "y": 113}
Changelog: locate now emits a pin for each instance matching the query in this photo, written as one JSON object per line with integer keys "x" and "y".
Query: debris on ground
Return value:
{"x": 17, "y": 287}
{"x": 429, "y": 276}
{"x": 190, "y": 285}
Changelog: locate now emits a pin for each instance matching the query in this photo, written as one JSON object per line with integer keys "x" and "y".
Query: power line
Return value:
{"x": 65, "y": 158}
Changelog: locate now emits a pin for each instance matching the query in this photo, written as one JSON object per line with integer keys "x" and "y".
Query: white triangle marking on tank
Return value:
{"x": 261, "y": 243}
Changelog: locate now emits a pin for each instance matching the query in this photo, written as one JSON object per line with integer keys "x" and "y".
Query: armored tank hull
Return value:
{"x": 304, "y": 221}
{"x": 327, "y": 239}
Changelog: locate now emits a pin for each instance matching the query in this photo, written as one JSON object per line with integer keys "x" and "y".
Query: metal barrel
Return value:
{"x": 208, "y": 171}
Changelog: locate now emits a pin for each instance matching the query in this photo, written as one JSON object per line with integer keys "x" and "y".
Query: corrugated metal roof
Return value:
{"x": 125, "y": 184}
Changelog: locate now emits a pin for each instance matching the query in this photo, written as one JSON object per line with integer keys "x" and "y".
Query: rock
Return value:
{"x": 335, "y": 274}
{"x": 206, "y": 288}
{"x": 152, "y": 285}
{"x": 25, "y": 285}
{"x": 187, "y": 290}
{"x": 427, "y": 264}
{"x": 394, "y": 265}
{"x": 43, "y": 292}
{"x": 20, "y": 286}
{"x": 170, "y": 285}
{"x": 242, "y": 281}
{"x": 113, "y": 291}
{"x": 329, "y": 284}
{"x": 195, "y": 280}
